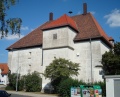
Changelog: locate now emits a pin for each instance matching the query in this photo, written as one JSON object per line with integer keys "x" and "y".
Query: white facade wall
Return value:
{"x": 3, "y": 78}
{"x": 49, "y": 56}
{"x": 65, "y": 37}
{"x": 29, "y": 60}
{"x": 82, "y": 55}
{"x": 25, "y": 61}
{"x": 112, "y": 89}
{"x": 62, "y": 47}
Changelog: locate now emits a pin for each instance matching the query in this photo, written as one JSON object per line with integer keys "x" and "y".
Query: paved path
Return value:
{"x": 32, "y": 94}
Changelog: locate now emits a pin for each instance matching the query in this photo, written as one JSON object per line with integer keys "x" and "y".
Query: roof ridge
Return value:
{"x": 66, "y": 18}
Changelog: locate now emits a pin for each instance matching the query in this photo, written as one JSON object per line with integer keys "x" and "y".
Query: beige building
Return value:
{"x": 79, "y": 38}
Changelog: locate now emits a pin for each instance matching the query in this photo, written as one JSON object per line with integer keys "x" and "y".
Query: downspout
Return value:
{"x": 91, "y": 61}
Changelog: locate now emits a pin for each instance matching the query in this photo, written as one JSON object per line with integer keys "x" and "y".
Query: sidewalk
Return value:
{"x": 32, "y": 94}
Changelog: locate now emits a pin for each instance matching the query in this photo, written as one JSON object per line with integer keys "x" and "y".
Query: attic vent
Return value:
{"x": 54, "y": 36}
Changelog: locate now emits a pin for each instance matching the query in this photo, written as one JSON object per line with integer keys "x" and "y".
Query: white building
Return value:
{"x": 78, "y": 38}
{"x": 4, "y": 70}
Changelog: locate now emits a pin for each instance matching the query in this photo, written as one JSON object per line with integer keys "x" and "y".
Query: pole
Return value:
{"x": 17, "y": 79}
{"x": 17, "y": 73}
{"x": 17, "y": 82}
{"x": 91, "y": 61}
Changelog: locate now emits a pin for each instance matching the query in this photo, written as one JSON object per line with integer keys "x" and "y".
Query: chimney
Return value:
{"x": 51, "y": 16}
{"x": 84, "y": 8}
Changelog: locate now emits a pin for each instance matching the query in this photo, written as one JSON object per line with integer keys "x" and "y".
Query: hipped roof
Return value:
{"x": 4, "y": 68}
{"x": 85, "y": 24}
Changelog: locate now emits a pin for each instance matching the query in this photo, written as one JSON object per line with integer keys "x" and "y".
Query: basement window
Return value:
{"x": 54, "y": 36}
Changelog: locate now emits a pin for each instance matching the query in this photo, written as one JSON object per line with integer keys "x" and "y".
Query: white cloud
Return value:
{"x": 24, "y": 28}
{"x": 13, "y": 37}
{"x": 113, "y": 19}
{"x": 92, "y": 12}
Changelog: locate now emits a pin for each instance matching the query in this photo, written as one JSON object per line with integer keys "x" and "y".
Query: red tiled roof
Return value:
{"x": 62, "y": 21}
{"x": 4, "y": 68}
{"x": 86, "y": 25}
{"x": 32, "y": 39}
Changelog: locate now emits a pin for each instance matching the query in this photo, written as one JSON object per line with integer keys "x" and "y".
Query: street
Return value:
{"x": 29, "y": 94}
{"x": 15, "y": 95}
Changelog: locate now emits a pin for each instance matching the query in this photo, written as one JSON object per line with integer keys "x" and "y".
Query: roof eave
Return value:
{"x": 49, "y": 28}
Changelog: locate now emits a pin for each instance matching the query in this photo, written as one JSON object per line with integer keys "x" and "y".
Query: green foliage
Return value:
{"x": 65, "y": 85}
{"x": 12, "y": 81}
{"x": 30, "y": 83}
{"x": 111, "y": 61}
{"x": 59, "y": 70}
{"x": 12, "y": 24}
{"x": 33, "y": 82}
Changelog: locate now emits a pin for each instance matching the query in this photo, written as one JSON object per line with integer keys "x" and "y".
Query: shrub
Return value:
{"x": 12, "y": 82}
{"x": 30, "y": 83}
{"x": 33, "y": 82}
{"x": 65, "y": 85}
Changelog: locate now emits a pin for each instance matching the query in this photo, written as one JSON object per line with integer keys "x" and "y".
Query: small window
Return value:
{"x": 54, "y": 36}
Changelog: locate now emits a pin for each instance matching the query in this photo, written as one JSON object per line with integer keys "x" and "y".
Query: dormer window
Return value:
{"x": 54, "y": 36}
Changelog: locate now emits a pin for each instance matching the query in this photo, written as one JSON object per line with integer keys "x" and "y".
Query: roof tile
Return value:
{"x": 62, "y": 21}
{"x": 86, "y": 25}
{"x": 4, "y": 68}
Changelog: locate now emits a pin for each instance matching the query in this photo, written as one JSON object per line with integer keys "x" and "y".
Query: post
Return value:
{"x": 17, "y": 80}
{"x": 91, "y": 61}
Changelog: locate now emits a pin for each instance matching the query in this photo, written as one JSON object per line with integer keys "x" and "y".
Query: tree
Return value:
{"x": 12, "y": 24}
{"x": 111, "y": 61}
{"x": 60, "y": 69}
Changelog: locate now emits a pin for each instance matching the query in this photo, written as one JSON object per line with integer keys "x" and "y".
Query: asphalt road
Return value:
{"x": 15, "y": 95}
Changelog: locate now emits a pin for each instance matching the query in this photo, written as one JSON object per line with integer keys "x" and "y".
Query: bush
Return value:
{"x": 33, "y": 82}
{"x": 12, "y": 82}
{"x": 64, "y": 86}
{"x": 30, "y": 83}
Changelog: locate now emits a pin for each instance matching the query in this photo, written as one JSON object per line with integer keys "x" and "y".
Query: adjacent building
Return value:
{"x": 4, "y": 70}
{"x": 77, "y": 38}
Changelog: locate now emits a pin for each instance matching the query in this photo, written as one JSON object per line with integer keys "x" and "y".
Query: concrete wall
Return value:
{"x": 25, "y": 60}
{"x": 82, "y": 55}
{"x": 49, "y": 56}
{"x": 65, "y": 37}
{"x": 112, "y": 88}
{"x": 3, "y": 79}
{"x": 28, "y": 60}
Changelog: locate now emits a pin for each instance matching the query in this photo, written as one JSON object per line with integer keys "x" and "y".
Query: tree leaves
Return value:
{"x": 111, "y": 61}
{"x": 12, "y": 24}
{"x": 61, "y": 68}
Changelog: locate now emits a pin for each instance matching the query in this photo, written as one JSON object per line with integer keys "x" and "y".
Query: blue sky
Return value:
{"x": 35, "y": 12}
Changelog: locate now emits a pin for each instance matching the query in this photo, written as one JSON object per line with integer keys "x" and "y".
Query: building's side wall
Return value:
{"x": 25, "y": 60}
{"x": 65, "y": 38}
{"x": 82, "y": 55}
{"x": 109, "y": 87}
{"x": 61, "y": 47}
{"x": 3, "y": 78}
{"x": 49, "y": 56}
